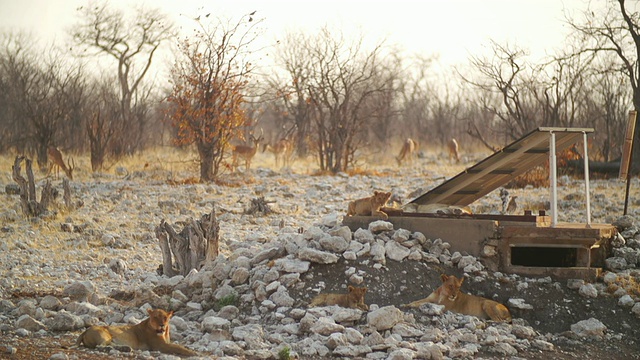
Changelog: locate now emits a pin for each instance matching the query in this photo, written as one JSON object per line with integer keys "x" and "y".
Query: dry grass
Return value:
{"x": 629, "y": 283}
{"x": 181, "y": 166}
{"x": 538, "y": 177}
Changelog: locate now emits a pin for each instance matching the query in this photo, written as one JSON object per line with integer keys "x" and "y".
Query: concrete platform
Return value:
{"x": 519, "y": 244}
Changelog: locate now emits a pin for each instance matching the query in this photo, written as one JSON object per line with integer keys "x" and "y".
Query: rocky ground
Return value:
{"x": 97, "y": 264}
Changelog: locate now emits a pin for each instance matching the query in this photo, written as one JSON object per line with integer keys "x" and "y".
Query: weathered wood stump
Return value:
{"x": 70, "y": 205}
{"x": 28, "y": 201}
{"x": 195, "y": 245}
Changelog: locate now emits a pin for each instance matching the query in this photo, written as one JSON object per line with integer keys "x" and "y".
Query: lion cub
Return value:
{"x": 449, "y": 295}
{"x": 353, "y": 299}
{"x": 150, "y": 334}
{"x": 370, "y": 205}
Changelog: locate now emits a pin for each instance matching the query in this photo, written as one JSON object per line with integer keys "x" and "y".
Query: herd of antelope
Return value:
{"x": 410, "y": 147}
{"x": 282, "y": 151}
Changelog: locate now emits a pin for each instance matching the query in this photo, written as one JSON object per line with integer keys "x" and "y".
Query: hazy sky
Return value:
{"x": 452, "y": 28}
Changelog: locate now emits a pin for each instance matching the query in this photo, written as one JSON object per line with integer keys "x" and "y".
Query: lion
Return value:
{"x": 370, "y": 206}
{"x": 449, "y": 295}
{"x": 150, "y": 334}
{"x": 408, "y": 149}
{"x": 454, "y": 150}
{"x": 353, "y": 299}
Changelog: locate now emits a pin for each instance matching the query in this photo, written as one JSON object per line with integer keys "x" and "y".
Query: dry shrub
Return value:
{"x": 353, "y": 172}
{"x": 539, "y": 176}
{"x": 235, "y": 181}
{"x": 628, "y": 283}
{"x": 283, "y": 181}
{"x": 187, "y": 181}
{"x": 536, "y": 177}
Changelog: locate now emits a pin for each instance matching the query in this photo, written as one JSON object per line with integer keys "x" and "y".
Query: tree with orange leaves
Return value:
{"x": 209, "y": 83}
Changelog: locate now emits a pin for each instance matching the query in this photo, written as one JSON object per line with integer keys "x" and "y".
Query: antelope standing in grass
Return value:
{"x": 454, "y": 150}
{"x": 282, "y": 150}
{"x": 245, "y": 152}
{"x": 407, "y": 152}
{"x": 55, "y": 156}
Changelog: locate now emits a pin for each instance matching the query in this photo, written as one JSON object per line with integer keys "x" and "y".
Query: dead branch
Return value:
{"x": 161, "y": 234}
{"x": 475, "y": 133}
{"x": 259, "y": 206}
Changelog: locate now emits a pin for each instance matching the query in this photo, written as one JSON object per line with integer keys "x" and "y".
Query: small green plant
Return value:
{"x": 285, "y": 353}
{"x": 230, "y": 299}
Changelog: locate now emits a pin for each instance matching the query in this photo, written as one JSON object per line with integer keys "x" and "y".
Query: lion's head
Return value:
{"x": 159, "y": 320}
{"x": 380, "y": 198}
{"x": 450, "y": 286}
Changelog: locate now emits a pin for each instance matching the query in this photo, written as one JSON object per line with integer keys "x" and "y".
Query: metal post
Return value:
{"x": 586, "y": 178}
{"x": 553, "y": 179}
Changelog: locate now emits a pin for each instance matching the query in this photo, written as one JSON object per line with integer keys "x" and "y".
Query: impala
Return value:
{"x": 454, "y": 150}
{"x": 56, "y": 160}
{"x": 408, "y": 149}
{"x": 282, "y": 150}
{"x": 245, "y": 152}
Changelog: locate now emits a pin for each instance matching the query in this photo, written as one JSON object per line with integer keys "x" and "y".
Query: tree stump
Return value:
{"x": 28, "y": 202}
{"x": 70, "y": 205}
{"x": 195, "y": 245}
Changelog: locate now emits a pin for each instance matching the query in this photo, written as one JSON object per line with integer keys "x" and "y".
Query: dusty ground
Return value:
{"x": 556, "y": 308}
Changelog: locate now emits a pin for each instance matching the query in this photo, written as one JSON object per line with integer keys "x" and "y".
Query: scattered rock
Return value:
{"x": 591, "y": 328}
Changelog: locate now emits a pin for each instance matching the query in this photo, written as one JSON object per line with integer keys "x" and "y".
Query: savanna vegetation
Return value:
{"x": 333, "y": 98}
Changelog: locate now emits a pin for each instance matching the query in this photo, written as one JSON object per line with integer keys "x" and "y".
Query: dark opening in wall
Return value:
{"x": 544, "y": 257}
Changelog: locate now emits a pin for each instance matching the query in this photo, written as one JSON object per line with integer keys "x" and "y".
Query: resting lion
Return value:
{"x": 370, "y": 206}
{"x": 449, "y": 295}
{"x": 353, "y": 299}
{"x": 150, "y": 334}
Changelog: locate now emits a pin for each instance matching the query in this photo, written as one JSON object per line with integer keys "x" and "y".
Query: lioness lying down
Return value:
{"x": 449, "y": 295}
{"x": 150, "y": 334}
{"x": 353, "y": 299}
{"x": 370, "y": 206}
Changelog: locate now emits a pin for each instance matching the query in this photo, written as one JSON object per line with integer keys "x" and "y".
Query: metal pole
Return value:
{"x": 553, "y": 179}
{"x": 586, "y": 178}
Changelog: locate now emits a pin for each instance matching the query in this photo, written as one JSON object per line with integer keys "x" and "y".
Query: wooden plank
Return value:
{"x": 595, "y": 233}
{"x": 587, "y": 273}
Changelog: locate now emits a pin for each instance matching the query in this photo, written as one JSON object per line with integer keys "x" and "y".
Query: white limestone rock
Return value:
{"x": 385, "y": 317}
{"x": 591, "y": 328}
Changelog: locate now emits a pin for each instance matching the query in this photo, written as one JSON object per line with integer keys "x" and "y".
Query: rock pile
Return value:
{"x": 243, "y": 304}
{"x": 251, "y": 302}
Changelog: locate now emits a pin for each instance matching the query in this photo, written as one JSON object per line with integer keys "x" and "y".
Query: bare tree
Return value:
{"x": 507, "y": 75}
{"x": 606, "y": 107}
{"x": 132, "y": 43}
{"x": 343, "y": 83}
{"x": 291, "y": 104}
{"x": 16, "y": 64}
{"x": 102, "y": 112}
{"x": 417, "y": 95}
{"x": 383, "y": 106}
{"x": 614, "y": 29}
{"x": 43, "y": 97}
